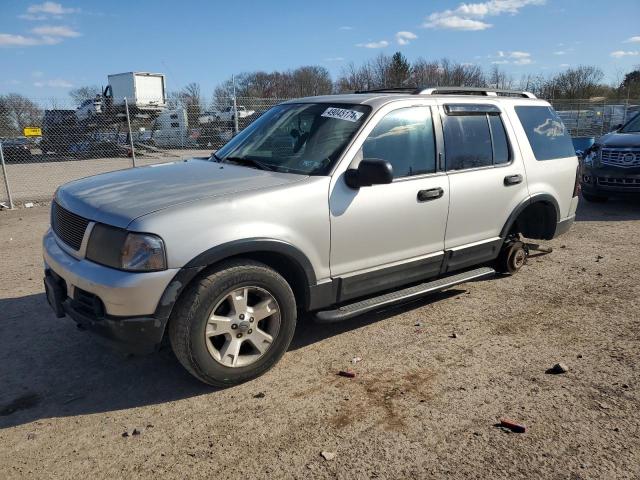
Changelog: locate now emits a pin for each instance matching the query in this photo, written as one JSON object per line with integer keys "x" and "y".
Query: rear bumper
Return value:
{"x": 563, "y": 226}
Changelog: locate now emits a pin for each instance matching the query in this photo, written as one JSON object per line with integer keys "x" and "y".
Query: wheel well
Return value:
{"x": 290, "y": 270}
{"x": 537, "y": 220}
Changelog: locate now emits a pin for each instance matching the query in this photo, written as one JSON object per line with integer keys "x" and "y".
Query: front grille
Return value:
{"x": 621, "y": 157}
{"x": 619, "y": 182}
{"x": 68, "y": 226}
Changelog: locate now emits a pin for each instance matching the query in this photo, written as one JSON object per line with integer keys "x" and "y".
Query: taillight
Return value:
{"x": 576, "y": 185}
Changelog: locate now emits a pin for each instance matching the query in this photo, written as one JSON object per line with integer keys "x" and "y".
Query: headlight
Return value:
{"x": 592, "y": 159}
{"x": 117, "y": 248}
{"x": 143, "y": 252}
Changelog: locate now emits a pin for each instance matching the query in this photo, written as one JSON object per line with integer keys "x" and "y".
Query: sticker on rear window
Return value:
{"x": 342, "y": 114}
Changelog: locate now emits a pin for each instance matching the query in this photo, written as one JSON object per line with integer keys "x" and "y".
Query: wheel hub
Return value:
{"x": 242, "y": 326}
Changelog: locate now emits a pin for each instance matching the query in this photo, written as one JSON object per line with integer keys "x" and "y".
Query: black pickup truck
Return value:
{"x": 611, "y": 166}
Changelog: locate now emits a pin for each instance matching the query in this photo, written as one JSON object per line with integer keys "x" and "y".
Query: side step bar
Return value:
{"x": 354, "y": 309}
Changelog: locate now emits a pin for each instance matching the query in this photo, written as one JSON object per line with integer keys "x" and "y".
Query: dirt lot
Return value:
{"x": 423, "y": 404}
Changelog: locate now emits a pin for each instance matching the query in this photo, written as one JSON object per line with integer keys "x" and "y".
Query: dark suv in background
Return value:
{"x": 611, "y": 167}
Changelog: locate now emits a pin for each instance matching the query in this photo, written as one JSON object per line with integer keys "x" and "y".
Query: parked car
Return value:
{"x": 16, "y": 150}
{"x": 611, "y": 166}
{"x": 225, "y": 115}
{"x": 335, "y": 205}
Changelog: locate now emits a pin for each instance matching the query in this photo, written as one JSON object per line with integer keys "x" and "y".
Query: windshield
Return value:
{"x": 632, "y": 126}
{"x": 304, "y": 138}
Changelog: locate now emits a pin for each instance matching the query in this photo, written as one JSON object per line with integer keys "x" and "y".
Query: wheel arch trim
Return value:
{"x": 535, "y": 198}
{"x": 255, "y": 245}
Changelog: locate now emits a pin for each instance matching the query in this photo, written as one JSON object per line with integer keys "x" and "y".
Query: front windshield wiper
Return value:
{"x": 216, "y": 158}
{"x": 250, "y": 162}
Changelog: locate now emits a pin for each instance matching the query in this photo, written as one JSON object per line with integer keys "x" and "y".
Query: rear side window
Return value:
{"x": 473, "y": 141}
{"x": 547, "y": 134}
{"x": 405, "y": 139}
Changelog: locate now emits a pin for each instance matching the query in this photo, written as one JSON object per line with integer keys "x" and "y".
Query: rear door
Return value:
{"x": 486, "y": 179}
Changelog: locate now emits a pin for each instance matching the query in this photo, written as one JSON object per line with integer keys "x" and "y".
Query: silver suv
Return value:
{"x": 335, "y": 205}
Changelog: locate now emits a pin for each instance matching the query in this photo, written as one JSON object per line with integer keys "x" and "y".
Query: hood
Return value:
{"x": 622, "y": 140}
{"x": 117, "y": 198}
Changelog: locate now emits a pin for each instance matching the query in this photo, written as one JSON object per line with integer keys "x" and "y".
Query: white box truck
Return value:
{"x": 144, "y": 91}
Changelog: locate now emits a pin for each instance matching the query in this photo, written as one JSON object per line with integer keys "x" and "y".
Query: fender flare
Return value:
{"x": 255, "y": 245}
{"x": 227, "y": 250}
{"x": 535, "y": 198}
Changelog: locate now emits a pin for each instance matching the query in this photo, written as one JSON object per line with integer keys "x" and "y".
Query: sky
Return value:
{"x": 47, "y": 48}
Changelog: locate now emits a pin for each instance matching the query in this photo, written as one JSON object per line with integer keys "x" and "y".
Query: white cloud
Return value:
{"x": 46, "y": 10}
{"x": 516, "y": 58}
{"x": 456, "y": 23}
{"x": 11, "y": 40}
{"x": 346, "y": 27}
{"x": 565, "y": 65}
{"x": 380, "y": 44}
{"x": 56, "y": 83}
{"x": 560, "y": 52}
{"x": 635, "y": 39}
{"x": 404, "y": 38}
{"x": 469, "y": 16}
{"x": 623, "y": 53}
{"x": 334, "y": 59}
{"x": 44, "y": 35}
{"x": 55, "y": 31}
{"x": 50, "y": 8}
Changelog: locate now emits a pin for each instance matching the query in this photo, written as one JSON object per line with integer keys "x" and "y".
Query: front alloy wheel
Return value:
{"x": 242, "y": 326}
{"x": 234, "y": 323}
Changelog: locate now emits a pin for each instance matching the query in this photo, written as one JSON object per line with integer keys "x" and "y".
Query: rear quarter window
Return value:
{"x": 547, "y": 134}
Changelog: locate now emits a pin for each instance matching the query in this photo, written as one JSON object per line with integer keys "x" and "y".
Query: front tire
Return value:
{"x": 233, "y": 324}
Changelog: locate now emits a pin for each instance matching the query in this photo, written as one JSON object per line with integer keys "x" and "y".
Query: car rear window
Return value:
{"x": 547, "y": 134}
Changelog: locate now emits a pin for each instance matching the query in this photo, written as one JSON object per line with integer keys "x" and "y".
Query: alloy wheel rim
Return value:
{"x": 242, "y": 326}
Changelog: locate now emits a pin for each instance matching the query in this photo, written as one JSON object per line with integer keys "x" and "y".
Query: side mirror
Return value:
{"x": 370, "y": 171}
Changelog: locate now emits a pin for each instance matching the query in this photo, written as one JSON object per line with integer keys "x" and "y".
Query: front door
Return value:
{"x": 387, "y": 235}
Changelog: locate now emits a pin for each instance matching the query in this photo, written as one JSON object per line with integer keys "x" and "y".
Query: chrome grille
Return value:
{"x": 68, "y": 226}
{"x": 619, "y": 182}
{"x": 621, "y": 157}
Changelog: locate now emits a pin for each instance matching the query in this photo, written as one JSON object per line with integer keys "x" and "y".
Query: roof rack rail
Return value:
{"x": 489, "y": 92}
{"x": 405, "y": 90}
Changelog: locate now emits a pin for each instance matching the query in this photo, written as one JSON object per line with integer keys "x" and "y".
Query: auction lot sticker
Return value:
{"x": 342, "y": 114}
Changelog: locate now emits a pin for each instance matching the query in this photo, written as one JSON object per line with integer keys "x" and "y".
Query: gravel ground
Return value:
{"x": 423, "y": 403}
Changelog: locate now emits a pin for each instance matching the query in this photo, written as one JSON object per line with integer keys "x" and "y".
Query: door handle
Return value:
{"x": 512, "y": 180}
{"x": 430, "y": 194}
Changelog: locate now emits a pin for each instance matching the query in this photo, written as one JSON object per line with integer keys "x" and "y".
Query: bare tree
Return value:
{"x": 81, "y": 94}
{"x": 498, "y": 78}
{"x": 17, "y": 112}
{"x": 190, "y": 99}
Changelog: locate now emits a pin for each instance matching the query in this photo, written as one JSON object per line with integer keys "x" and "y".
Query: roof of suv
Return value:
{"x": 376, "y": 99}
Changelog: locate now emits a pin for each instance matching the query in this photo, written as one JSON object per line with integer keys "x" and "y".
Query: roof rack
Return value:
{"x": 405, "y": 90}
{"x": 487, "y": 92}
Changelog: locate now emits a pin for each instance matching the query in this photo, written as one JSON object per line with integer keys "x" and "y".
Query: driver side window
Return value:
{"x": 405, "y": 139}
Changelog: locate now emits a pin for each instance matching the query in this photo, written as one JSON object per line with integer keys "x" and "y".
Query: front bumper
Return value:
{"x": 610, "y": 180}
{"x": 122, "y": 306}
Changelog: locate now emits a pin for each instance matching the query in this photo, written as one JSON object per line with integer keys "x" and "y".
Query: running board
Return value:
{"x": 354, "y": 309}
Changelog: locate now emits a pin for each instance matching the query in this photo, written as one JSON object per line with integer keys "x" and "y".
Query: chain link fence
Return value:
{"x": 59, "y": 142}
{"x": 62, "y": 142}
